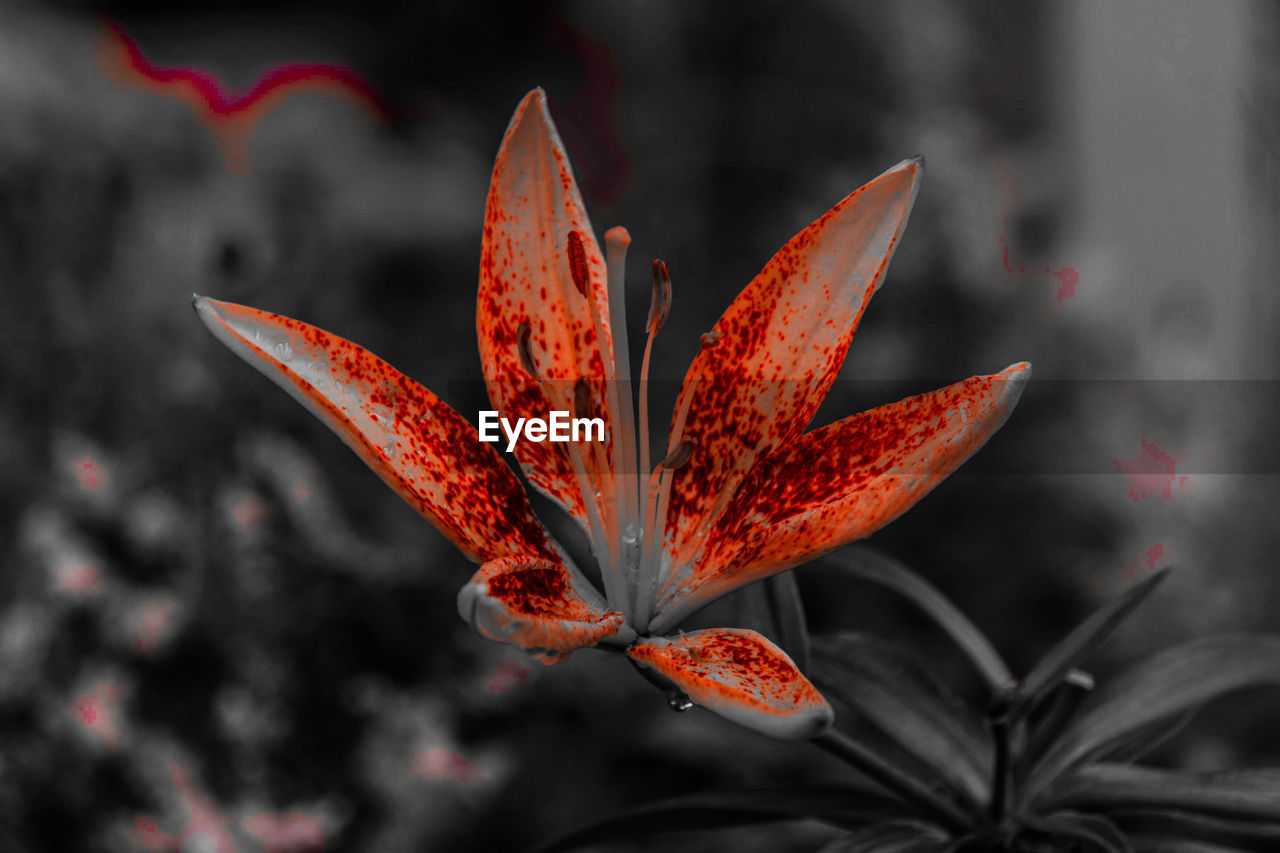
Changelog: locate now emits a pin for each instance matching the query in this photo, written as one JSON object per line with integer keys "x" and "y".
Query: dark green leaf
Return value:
{"x": 846, "y": 806}
{"x": 867, "y": 564}
{"x": 1098, "y": 834}
{"x": 897, "y": 695}
{"x": 1159, "y": 843}
{"x": 1087, "y": 638}
{"x": 895, "y": 836}
{"x": 1237, "y": 794}
{"x": 1239, "y": 835}
{"x": 1050, "y": 718}
{"x": 788, "y": 614}
{"x": 1139, "y": 742}
{"x": 1160, "y": 691}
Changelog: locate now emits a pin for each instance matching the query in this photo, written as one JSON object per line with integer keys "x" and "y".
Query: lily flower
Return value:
{"x": 742, "y": 492}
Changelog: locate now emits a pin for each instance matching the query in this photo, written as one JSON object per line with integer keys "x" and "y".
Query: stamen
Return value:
{"x": 660, "y": 301}
{"x": 660, "y": 491}
{"x": 525, "y": 349}
{"x": 603, "y": 547}
{"x": 624, "y": 451}
{"x": 647, "y": 580}
{"x": 582, "y": 407}
{"x": 710, "y": 339}
{"x": 609, "y": 560}
{"x": 678, "y": 457}
{"x": 659, "y": 308}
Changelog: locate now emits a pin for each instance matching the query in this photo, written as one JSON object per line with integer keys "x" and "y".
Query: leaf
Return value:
{"x": 1160, "y": 691}
{"x": 1100, "y": 834}
{"x": 1236, "y": 794}
{"x": 901, "y": 699}
{"x": 1051, "y": 715}
{"x": 788, "y": 613}
{"x": 1086, "y": 639}
{"x": 1159, "y": 843}
{"x": 1237, "y": 835}
{"x": 841, "y": 805}
{"x": 892, "y": 836}
{"x": 871, "y": 565}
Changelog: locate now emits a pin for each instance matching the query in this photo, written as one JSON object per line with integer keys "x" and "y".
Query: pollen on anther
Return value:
{"x": 525, "y": 349}
{"x": 679, "y": 455}
{"x": 660, "y": 302}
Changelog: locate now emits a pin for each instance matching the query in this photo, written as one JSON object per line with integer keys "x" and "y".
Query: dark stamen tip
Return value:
{"x": 660, "y": 302}
{"x": 679, "y": 456}
{"x": 711, "y": 338}
{"x": 582, "y": 403}
{"x": 525, "y": 349}
{"x": 578, "y": 263}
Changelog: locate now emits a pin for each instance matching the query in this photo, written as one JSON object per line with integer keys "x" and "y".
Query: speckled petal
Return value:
{"x": 841, "y": 483}
{"x": 422, "y": 448}
{"x": 540, "y": 607}
{"x": 766, "y": 366}
{"x": 525, "y": 280}
{"x": 741, "y": 676}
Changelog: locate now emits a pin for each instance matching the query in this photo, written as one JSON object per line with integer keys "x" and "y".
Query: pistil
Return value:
{"x": 626, "y": 481}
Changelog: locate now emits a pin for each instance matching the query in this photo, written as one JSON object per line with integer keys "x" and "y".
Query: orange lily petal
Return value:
{"x": 421, "y": 447}
{"x": 525, "y": 279}
{"x": 539, "y": 606}
{"x": 771, "y": 358}
{"x": 841, "y": 483}
{"x": 741, "y": 676}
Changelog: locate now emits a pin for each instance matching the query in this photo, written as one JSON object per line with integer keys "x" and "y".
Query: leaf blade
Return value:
{"x": 871, "y": 565}
{"x": 1089, "y": 636}
{"x": 1160, "y": 690}
{"x": 1236, "y": 794}
{"x": 897, "y": 696}
{"x": 840, "y": 805}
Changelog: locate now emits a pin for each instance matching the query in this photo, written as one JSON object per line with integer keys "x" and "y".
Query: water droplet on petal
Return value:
{"x": 677, "y": 701}
{"x": 283, "y": 351}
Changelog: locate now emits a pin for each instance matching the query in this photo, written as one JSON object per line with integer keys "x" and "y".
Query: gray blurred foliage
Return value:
{"x": 218, "y": 631}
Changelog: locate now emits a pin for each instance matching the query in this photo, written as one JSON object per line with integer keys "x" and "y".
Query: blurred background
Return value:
{"x": 219, "y": 631}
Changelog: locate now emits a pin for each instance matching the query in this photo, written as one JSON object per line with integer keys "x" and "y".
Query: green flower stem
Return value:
{"x": 1000, "y": 787}
{"x": 930, "y": 802}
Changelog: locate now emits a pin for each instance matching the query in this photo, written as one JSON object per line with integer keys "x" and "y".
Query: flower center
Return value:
{"x": 626, "y": 513}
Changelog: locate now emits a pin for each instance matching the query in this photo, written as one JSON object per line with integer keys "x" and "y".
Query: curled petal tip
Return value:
{"x": 1015, "y": 378}
{"x": 537, "y": 605}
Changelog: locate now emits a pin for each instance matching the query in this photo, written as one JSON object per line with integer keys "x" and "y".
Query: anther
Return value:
{"x": 679, "y": 456}
{"x": 582, "y": 404}
{"x": 523, "y": 346}
{"x": 660, "y": 301}
{"x": 578, "y": 263}
{"x": 710, "y": 339}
